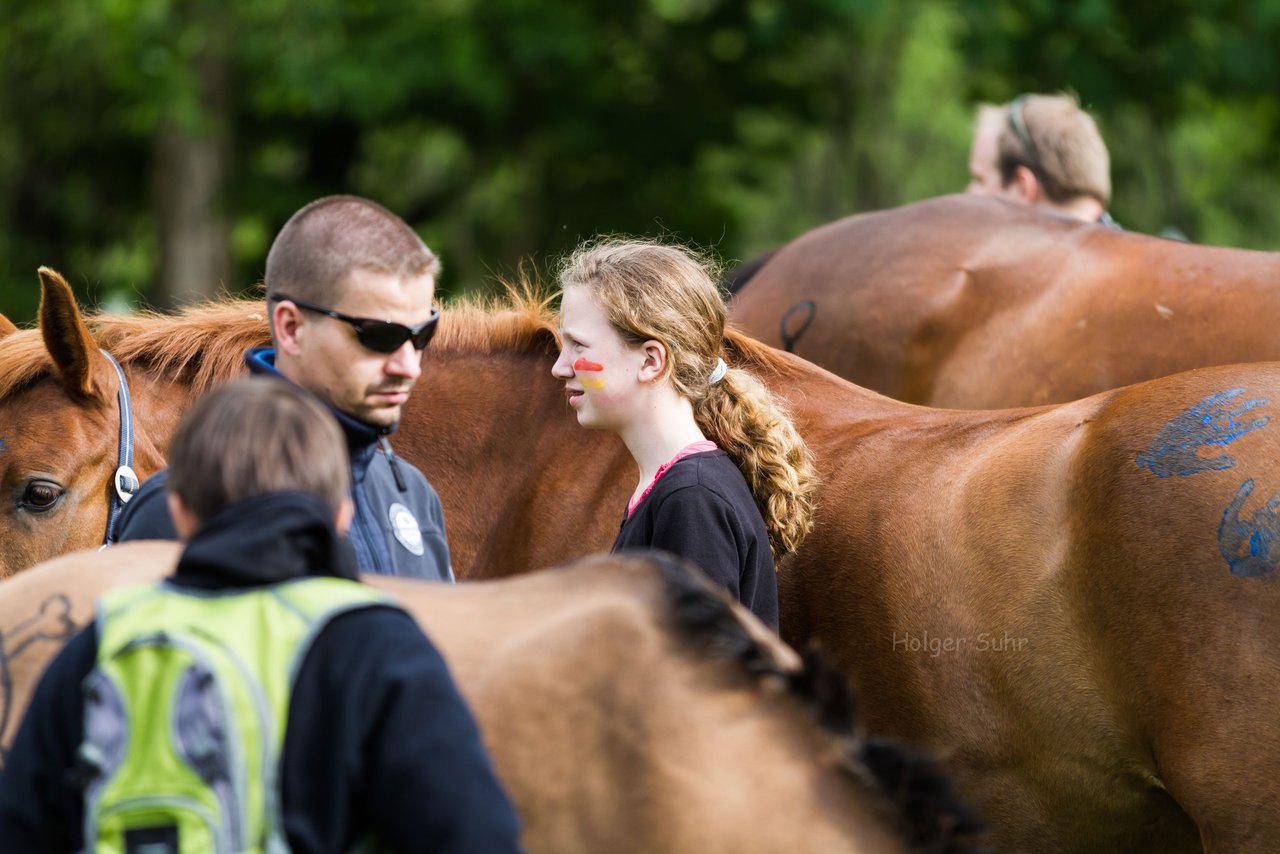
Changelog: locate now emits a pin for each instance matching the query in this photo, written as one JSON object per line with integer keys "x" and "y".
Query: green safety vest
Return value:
{"x": 185, "y": 712}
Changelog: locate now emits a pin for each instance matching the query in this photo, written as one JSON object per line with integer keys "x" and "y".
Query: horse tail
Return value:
{"x": 919, "y": 797}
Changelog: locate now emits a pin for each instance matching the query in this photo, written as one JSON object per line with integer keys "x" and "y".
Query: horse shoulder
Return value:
{"x": 1174, "y": 516}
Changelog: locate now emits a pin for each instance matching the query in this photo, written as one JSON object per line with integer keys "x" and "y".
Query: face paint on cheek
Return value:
{"x": 587, "y": 366}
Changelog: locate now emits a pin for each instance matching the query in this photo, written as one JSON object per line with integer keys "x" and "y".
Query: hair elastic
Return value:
{"x": 718, "y": 373}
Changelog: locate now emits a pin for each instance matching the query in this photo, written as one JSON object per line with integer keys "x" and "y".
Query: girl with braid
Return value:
{"x": 724, "y": 478}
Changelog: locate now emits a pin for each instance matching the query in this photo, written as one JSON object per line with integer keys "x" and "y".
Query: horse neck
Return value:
{"x": 524, "y": 486}
{"x": 41, "y": 609}
{"x": 748, "y": 765}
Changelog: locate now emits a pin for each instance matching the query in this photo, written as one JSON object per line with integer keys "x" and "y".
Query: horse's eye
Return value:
{"x": 40, "y": 495}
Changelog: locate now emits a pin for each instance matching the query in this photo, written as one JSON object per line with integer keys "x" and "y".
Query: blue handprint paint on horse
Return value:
{"x": 1209, "y": 422}
{"x": 1251, "y": 546}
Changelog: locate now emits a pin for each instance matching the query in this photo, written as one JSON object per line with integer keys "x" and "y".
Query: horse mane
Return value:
{"x": 918, "y": 794}
{"x": 519, "y": 318}
{"x": 204, "y": 344}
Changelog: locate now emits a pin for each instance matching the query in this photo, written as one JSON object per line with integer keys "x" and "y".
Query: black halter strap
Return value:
{"x": 124, "y": 483}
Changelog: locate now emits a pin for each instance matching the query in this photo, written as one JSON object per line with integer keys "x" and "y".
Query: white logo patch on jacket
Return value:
{"x": 405, "y": 526}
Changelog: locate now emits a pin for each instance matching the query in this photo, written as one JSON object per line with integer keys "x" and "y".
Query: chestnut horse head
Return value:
{"x": 64, "y": 420}
{"x": 704, "y": 732}
{"x": 60, "y": 419}
{"x": 980, "y": 303}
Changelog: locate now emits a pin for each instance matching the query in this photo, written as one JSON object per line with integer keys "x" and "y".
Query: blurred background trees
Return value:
{"x": 149, "y": 149}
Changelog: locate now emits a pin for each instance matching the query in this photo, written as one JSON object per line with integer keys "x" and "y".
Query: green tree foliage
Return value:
{"x": 893, "y": 127}
{"x": 501, "y": 129}
{"x": 1184, "y": 92}
{"x": 133, "y": 130}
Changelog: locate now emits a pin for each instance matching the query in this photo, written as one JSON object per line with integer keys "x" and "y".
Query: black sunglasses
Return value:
{"x": 380, "y": 336}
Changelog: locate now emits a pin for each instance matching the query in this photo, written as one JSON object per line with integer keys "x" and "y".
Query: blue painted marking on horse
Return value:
{"x": 1251, "y": 546}
{"x": 1208, "y": 422}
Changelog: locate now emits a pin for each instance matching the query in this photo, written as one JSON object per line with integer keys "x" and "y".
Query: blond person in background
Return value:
{"x": 1042, "y": 150}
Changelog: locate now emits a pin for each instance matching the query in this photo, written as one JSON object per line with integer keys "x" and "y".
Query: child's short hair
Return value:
{"x": 254, "y": 436}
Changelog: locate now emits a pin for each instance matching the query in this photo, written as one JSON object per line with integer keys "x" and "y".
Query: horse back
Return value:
{"x": 894, "y": 291}
{"x": 977, "y": 303}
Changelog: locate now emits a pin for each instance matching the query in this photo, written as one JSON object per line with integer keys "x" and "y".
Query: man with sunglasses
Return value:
{"x": 1042, "y": 150}
{"x": 349, "y": 296}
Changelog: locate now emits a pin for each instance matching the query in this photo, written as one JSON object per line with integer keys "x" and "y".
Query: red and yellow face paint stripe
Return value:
{"x": 586, "y": 366}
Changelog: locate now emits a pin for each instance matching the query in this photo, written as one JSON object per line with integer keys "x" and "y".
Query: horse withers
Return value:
{"x": 627, "y": 704}
{"x": 977, "y": 303}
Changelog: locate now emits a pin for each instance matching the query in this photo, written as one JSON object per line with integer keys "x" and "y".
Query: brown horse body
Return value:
{"x": 1076, "y": 604}
{"x": 614, "y": 723}
{"x": 978, "y": 303}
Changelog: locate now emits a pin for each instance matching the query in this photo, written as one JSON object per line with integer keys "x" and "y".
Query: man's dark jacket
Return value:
{"x": 398, "y": 528}
{"x": 378, "y": 738}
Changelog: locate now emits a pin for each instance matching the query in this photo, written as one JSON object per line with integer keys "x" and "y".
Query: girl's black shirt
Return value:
{"x": 701, "y": 509}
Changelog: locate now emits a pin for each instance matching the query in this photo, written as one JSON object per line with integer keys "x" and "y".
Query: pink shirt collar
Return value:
{"x": 699, "y": 447}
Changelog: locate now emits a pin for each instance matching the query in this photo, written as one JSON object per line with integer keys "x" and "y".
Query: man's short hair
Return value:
{"x": 322, "y": 244}
{"x": 1058, "y": 141}
{"x": 254, "y": 436}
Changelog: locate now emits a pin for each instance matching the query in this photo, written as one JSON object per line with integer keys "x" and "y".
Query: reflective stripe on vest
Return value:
{"x": 186, "y": 711}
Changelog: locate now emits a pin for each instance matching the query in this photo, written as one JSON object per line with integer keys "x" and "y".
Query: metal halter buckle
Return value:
{"x": 125, "y": 481}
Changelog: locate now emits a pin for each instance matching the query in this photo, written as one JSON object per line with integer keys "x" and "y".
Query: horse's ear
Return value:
{"x": 66, "y": 336}
{"x": 6, "y": 327}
